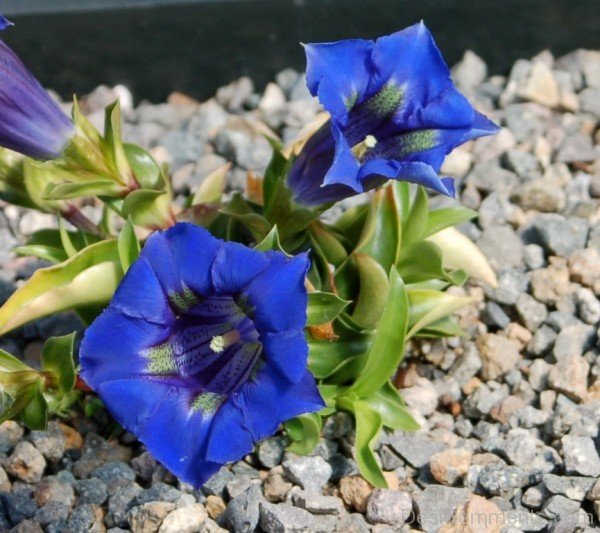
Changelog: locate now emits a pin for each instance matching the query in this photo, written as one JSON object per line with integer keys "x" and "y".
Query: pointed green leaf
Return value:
{"x": 68, "y": 190}
{"x": 458, "y": 251}
{"x": 270, "y": 242}
{"x": 428, "y": 307}
{"x": 148, "y": 208}
{"x": 440, "y": 219}
{"x": 368, "y": 427}
{"x": 382, "y": 233}
{"x": 65, "y": 239}
{"x": 128, "y": 245}
{"x": 392, "y": 409}
{"x": 9, "y": 363}
{"x": 387, "y": 349}
{"x": 324, "y": 307}
{"x": 333, "y": 250}
{"x": 212, "y": 187}
{"x": 304, "y": 431}
{"x": 88, "y": 278}
{"x": 146, "y": 170}
{"x": 57, "y": 358}
{"x": 414, "y": 227}
{"x": 373, "y": 291}
{"x": 113, "y": 139}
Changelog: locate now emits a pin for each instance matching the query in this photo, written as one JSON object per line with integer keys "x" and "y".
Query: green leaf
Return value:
{"x": 148, "y": 208}
{"x": 387, "y": 348}
{"x": 240, "y": 210}
{"x": 414, "y": 227}
{"x": 275, "y": 172}
{"x": 88, "y": 278}
{"x": 333, "y": 250}
{"x": 325, "y": 357}
{"x": 324, "y": 307}
{"x": 35, "y": 413}
{"x": 429, "y": 306}
{"x": 57, "y": 358}
{"x": 212, "y": 187}
{"x": 392, "y": 409}
{"x": 382, "y": 233}
{"x": 146, "y": 170}
{"x": 65, "y": 239}
{"x": 373, "y": 291}
{"x": 9, "y": 363}
{"x": 69, "y": 190}
{"x": 270, "y": 242}
{"x": 304, "y": 431}
{"x": 446, "y": 327}
{"x": 440, "y": 219}
{"x": 351, "y": 222}
{"x": 112, "y": 137}
{"x": 458, "y": 251}
{"x": 128, "y": 245}
{"x": 368, "y": 427}
{"x": 422, "y": 261}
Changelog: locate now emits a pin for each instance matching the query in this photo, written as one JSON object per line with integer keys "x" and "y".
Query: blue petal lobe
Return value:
{"x": 4, "y": 22}
{"x": 113, "y": 345}
{"x": 277, "y": 296}
{"x": 268, "y": 400}
{"x": 344, "y": 169}
{"x": 229, "y": 439}
{"x": 235, "y": 266}
{"x": 288, "y": 352}
{"x": 140, "y": 295}
{"x": 413, "y": 172}
{"x": 338, "y": 73}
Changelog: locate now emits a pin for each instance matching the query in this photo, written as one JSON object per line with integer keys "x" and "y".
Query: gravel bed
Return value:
{"x": 510, "y": 414}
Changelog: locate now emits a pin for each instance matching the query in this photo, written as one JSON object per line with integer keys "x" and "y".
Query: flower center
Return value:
{"x": 360, "y": 150}
{"x": 212, "y": 347}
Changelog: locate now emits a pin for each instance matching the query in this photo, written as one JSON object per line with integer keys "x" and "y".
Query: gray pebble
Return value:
{"x": 284, "y": 518}
{"x": 91, "y": 490}
{"x": 386, "y": 506}
{"x": 311, "y": 473}
{"x": 581, "y": 456}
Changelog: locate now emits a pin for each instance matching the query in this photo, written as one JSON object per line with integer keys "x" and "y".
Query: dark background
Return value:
{"x": 195, "y": 46}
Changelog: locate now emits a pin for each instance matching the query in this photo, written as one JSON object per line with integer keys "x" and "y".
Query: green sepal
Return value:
{"x": 128, "y": 245}
{"x": 57, "y": 360}
{"x": 88, "y": 278}
{"x": 147, "y": 172}
{"x": 324, "y": 307}
{"x": 114, "y": 143}
{"x": 387, "y": 349}
{"x": 304, "y": 432}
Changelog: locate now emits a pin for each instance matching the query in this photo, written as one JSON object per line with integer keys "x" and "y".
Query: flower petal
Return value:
{"x": 229, "y": 439}
{"x": 235, "y": 266}
{"x": 288, "y": 352}
{"x": 113, "y": 346}
{"x": 277, "y": 296}
{"x": 338, "y": 73}
{"x": 267, "y": 400}
{"x": 161, "y": 416}
{"x": 410, "y": 59}
{"x": 344, "y": 168}
{"x": 151, "y": 303}
{"x": 414, "y": 172}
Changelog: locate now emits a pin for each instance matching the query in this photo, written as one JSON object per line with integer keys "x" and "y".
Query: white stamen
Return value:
{"x": 370, "y": 141}
{"x": 220, "y": 342}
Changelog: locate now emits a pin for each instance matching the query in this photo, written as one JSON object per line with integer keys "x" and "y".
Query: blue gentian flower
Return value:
{"x": 395, "y": 114}
{"x": 31, "y": 122}
{"x": 201, "y": 352}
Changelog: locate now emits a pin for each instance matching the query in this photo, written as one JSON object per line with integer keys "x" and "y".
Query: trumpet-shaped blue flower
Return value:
{"x": 30, "y": 121}
{"x": 395, "y": 114}
{"x": 201, "y": 352}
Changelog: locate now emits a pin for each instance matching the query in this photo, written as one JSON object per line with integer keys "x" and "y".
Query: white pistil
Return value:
{"x": 220, "y": 343}
{"x": 361, "y": 148}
